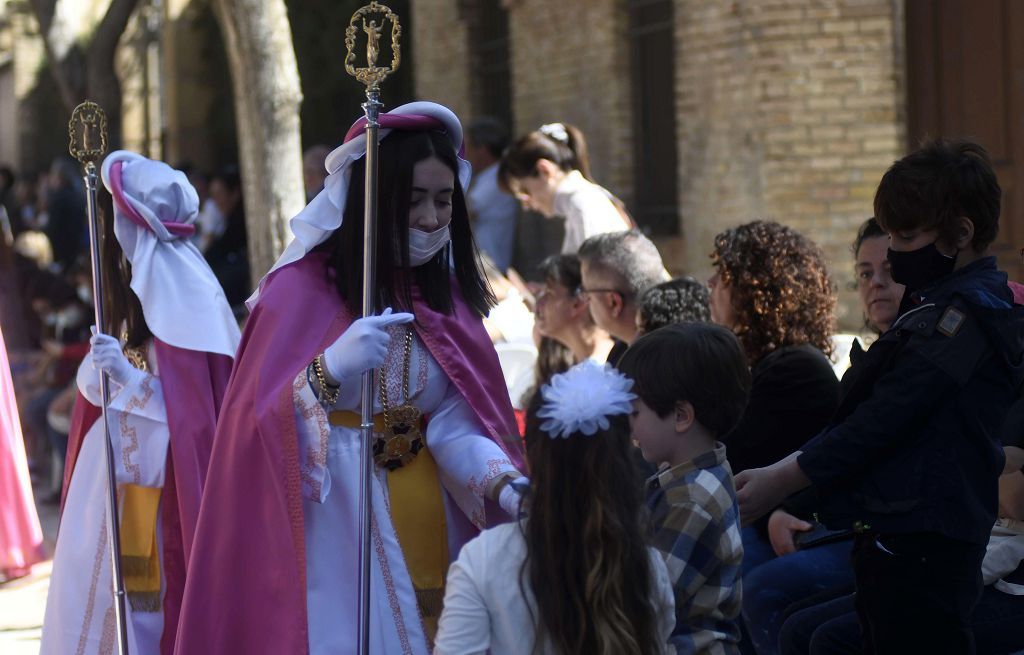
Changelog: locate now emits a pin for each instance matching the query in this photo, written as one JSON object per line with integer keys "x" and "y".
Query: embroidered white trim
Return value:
{"x": 582, "y": 399}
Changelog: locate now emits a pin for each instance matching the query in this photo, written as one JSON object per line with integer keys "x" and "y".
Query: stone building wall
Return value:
{"x": 789, "y": 110}
{"x": 440, "y": 54}
{"x": 570, "y": 62}
{"x": 786, "y": 109}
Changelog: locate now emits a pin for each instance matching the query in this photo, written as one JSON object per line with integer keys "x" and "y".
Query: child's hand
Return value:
{"x": 782, "y": 528}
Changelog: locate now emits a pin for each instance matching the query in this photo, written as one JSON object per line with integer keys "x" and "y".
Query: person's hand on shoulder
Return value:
{"x": 760, "y": 490}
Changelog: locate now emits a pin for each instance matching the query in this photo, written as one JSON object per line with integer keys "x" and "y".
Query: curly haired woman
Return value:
{"x": 772, "y": 289}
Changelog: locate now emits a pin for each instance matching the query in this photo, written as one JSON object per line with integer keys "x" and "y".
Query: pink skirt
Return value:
{"x": 21, "y": 537}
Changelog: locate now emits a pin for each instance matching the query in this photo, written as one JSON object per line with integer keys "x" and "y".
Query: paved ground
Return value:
{"x": 23, "y": 601}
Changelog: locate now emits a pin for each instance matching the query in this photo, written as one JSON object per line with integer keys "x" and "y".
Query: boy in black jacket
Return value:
{"x": 911, "y": 459}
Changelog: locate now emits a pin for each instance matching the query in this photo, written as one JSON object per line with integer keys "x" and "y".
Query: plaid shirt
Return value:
{"x": 695, "y": 526}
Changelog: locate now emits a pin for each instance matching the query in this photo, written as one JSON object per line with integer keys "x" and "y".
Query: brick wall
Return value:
{"x": 570, "y": 63}
{"x": 440, "y": 55}
{"x": 786, "y": 109}
{"x": 789, "y": 110}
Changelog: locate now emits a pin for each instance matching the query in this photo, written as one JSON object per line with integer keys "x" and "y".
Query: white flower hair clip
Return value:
{"x": 555, "y": 131}
{"x": 582, "y": 399}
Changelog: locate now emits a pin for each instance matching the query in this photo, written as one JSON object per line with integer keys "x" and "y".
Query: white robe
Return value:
{"x": 467, "y": 462}
{"x": 79, "y": 617}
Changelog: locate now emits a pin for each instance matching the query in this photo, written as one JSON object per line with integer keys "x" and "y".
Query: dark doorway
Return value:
{"x": 655, "y": 169}
{"x": 489, "y": 58}
{"x": 965, "y": 78}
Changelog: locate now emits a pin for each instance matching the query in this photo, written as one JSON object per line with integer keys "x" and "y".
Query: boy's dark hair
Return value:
{"x": 933, "y": 187}
{"x": 676, "y": 301}
{"x": 700, "y": 363}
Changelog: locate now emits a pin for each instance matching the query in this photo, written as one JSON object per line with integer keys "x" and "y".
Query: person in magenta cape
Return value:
{"x": 21, "y": 537}
{"x": 277, "y": 546}
{"x": 167, "y": 382}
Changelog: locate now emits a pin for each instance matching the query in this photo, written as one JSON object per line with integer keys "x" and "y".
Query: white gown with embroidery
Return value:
{"x": 79, "y": 615}
{"x": 467, "y": 462}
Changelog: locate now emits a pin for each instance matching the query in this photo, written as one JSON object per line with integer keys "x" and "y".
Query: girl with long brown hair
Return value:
{"x": 574, "y": 575}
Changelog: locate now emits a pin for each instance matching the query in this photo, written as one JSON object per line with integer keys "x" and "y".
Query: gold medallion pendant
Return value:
{"x": 402, "y": 437}
{"x": 401, "y": 440}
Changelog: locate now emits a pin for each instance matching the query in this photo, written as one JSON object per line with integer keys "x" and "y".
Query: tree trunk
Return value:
{"x": 85, "y": 70}
{"x": 101, "y": 82}
{"x": 267, "y": 95}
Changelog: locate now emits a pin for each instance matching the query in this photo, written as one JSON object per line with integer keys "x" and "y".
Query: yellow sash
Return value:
{"x": 140, "y": 559}
{"x": 417, "y": 512}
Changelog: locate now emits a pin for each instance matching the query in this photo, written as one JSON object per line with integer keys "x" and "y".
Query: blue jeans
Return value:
{"x": 776, "y": 584}
{"x": 831, "y": 628}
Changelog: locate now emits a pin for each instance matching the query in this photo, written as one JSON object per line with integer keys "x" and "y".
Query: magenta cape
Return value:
{"x": 21, "y": 537}
{"x": 193, "y": 384}
{"x": 246, "y": 588}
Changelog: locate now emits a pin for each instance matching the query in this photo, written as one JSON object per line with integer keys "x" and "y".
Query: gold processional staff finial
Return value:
{"x": 372, "y": 75}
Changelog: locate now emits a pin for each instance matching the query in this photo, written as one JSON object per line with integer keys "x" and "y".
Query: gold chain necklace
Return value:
{"x": 402, "y": 438}
{"x": 136, "y": 356}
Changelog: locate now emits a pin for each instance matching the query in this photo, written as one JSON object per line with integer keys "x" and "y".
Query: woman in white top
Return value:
{"x": 574, "y": 575}
{"x": 548, "y": 170}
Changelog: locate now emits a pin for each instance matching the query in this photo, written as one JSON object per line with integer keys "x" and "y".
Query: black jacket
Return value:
{"x": 914, "y": 445}
{"x": 793, "y": 394}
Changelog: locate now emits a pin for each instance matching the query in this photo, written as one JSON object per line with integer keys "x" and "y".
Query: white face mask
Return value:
{"x": 424, "y": 245}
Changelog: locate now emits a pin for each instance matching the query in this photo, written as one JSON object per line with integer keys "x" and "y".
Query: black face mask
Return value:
{"x": 916, "y": 269}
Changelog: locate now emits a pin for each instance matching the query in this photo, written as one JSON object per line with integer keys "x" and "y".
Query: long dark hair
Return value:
{"x": 399, "y": 153}
{"x": 587, "y": 563}
{"x": 121, "y": 305}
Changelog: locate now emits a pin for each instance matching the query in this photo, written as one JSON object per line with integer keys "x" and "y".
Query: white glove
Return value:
{"x": 510, "y": 496}
{"x": 108, "y": 357}
{"x": 363, "y": 346}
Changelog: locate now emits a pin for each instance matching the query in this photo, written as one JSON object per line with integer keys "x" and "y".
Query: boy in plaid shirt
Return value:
{"x": 692, "y": 384}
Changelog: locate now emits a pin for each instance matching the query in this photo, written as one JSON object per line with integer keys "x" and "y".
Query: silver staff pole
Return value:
{"x": 371, "y": 75}
{"x": 87, "y": 130}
